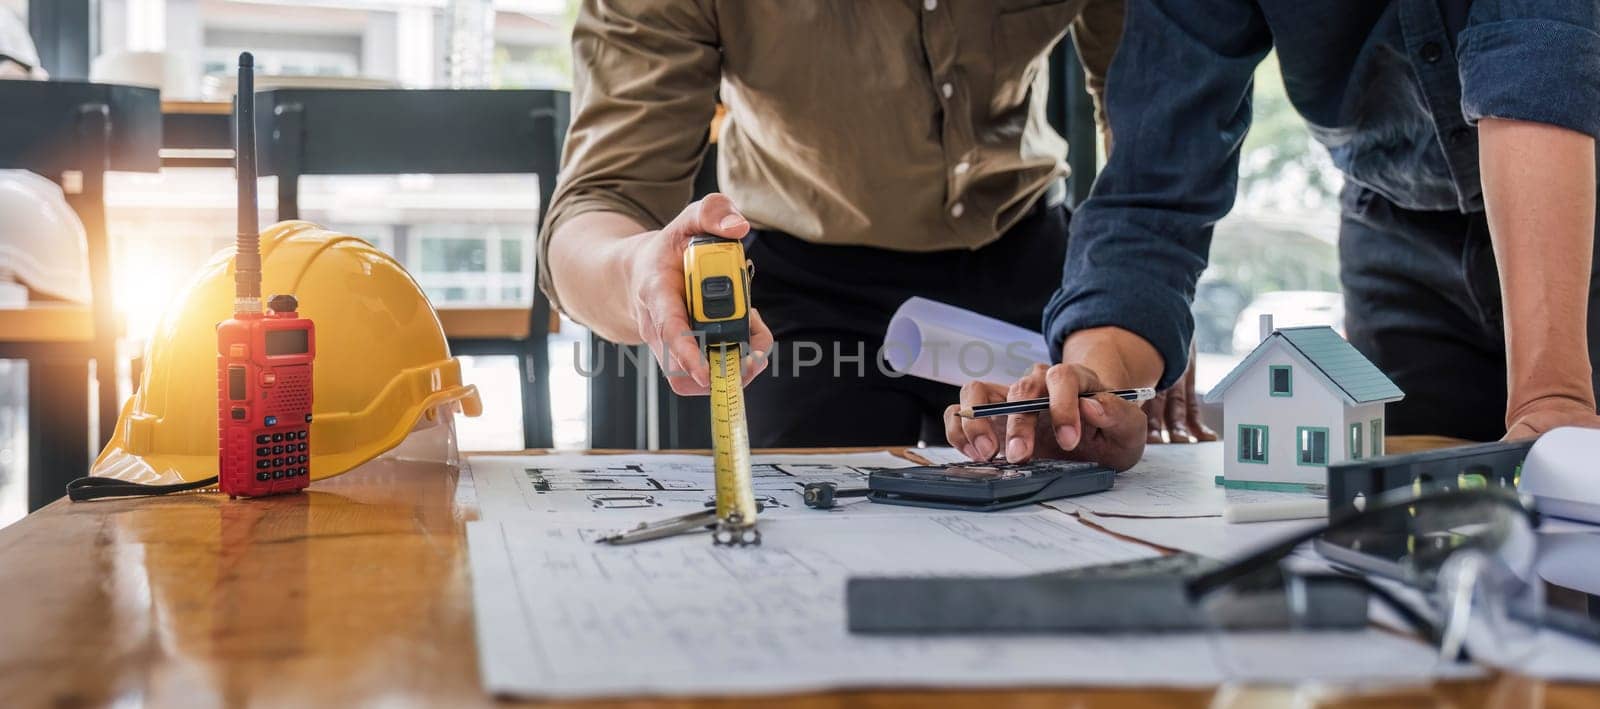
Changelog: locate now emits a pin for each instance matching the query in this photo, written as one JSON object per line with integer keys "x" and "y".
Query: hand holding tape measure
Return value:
{"x": 716, "y": 285}
{"x": 654, "y": 283}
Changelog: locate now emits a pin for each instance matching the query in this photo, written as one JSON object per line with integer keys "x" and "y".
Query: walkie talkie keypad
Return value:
{"x": 272, "y": 463}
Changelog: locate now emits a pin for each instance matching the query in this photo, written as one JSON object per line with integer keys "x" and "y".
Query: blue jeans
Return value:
{"x": 1422, "y": 301}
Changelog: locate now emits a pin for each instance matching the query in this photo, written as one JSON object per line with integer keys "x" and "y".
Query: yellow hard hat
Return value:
{"x": 382, "y": 365}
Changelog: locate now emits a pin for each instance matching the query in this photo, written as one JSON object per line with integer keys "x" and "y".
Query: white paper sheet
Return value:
{"x": 932, "y": 340}
{"x": 940, "y": 455}
{"x": 560, "y": 616}
{"x": 626, "y": 489}
{"x": 1174, "y": 480}
{"x": 1207, "y": 536}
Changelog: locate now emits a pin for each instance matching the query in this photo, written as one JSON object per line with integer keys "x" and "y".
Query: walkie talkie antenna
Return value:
{"x": 247, "y": 251}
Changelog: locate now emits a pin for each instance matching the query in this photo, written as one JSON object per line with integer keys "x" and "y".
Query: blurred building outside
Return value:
{"x": 469, "y": 239}
{"x": 1278, "y": 249}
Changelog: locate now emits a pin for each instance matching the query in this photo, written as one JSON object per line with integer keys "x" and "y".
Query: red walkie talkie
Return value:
{"x": 263, "y": 360}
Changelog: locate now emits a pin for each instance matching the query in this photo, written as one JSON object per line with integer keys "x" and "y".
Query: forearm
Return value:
{"x": 1539, "y": 193}
{"x": 590, "y": 274}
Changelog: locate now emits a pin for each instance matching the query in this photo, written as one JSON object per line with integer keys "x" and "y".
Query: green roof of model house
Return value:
{"x": 1352, "y": 374}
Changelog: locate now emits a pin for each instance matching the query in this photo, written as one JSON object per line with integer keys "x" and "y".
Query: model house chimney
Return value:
{"x": 1266, "y": 326}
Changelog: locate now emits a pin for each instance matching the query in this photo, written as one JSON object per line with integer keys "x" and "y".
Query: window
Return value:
{"x": 449, "y": 255}
{"x": 1377, "y": 437}
{"x": 1312, "y": 445}
{"x": 1282, "y": 381}
{"x": 511, "y": 255}
{"x": 1252, "y": 444}
{"x": 1355, "y": 441}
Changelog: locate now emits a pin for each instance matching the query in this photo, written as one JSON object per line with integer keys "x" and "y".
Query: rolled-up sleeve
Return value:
{"x": 644, "y": 91}
{"x": 1178, "y": 102}
{"x": 1532, "y": 60}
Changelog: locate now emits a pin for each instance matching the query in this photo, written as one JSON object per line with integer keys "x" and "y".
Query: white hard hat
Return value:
{"x": 42, "y": 241}
{"x": 17, "y": 50}
{"x": 151, "y": 69}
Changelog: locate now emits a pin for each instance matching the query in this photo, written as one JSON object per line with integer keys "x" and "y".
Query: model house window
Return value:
{"x": 1312, "y": 445}
{"x": 1282, "y": 381}
{"x": 1252, "y": 444}
{"x": 1377, "y": 437}
{"x": 1355, "y": 441}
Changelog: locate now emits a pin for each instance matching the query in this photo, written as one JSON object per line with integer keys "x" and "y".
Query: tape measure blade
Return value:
{"x": 730, "y": 439}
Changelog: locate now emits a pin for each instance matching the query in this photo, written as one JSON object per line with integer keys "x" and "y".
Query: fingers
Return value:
{"x": 664, "y": 326}
{"x": 1197, "y": 427}
{"x": 1020, "y": 427}
{"x": 1176, "y": 415}
{"x": 1064, "y": 384}
{"x": 980, "y": 436}
{"x": 714, "y": 214}
{"x": 689, "y": 373}
{"x": 955, "y": 435}
{"x": 1114, "y": 431}
{"x": 1155, "y": 426}
{"x": 760, "y": 347}
{"x": 1109, "y": 413}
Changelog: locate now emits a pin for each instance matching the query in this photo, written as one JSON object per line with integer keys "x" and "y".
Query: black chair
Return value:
{"x": 439, "y": 132}
{"x": 72, "y": 133}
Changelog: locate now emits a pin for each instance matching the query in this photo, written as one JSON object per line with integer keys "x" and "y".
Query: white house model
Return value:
{"x": 1302, "y": 400}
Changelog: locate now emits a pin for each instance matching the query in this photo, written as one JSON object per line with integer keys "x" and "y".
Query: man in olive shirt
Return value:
{"x": 872, "y": 151}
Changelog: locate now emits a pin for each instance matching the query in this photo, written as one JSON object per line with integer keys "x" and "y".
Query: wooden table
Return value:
{"x": 73, "y": 324}
{"x": 358, "y": 592}
{"x": 495, "y": 322}
{"x": 59, "y": 343}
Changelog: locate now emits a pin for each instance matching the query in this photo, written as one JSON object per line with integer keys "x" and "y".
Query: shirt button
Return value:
{"x": 957, "y": 209}
{"x": 962, "y": 167}
{"x": 947, "y": 89}
{"x": 1431, "y": 52}
{"x": 929, "y": 5}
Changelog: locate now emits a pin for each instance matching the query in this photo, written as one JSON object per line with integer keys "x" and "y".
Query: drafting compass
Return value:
{"x": 717, "y": 283}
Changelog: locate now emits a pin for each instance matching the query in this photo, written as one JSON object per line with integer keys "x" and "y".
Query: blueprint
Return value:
{"x": 560, "y": 616}
{"x": 623, "y": 490}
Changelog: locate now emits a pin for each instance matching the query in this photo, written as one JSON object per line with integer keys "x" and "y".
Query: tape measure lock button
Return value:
{"x": 717, "y": 293}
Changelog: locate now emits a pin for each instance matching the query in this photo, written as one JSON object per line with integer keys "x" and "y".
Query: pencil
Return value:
{"x": 1030, "y": 406}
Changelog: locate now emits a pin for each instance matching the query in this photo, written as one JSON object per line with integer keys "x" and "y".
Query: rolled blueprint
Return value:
{"x": 932, "y": 340}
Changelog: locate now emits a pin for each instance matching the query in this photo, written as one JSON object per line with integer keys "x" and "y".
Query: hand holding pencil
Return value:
{"x": 1062, "y": 411}
{"x": 1028, "y": 406}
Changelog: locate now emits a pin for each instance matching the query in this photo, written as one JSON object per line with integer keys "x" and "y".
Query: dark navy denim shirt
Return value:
{"x": 1393, "y": 88}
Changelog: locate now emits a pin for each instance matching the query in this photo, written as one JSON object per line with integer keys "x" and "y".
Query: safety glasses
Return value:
{"x": 1455, "y": 567}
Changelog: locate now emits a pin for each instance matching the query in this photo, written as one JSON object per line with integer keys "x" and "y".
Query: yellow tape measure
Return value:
{"x": 717, "y": 286}
{"x": 730, "y": 445}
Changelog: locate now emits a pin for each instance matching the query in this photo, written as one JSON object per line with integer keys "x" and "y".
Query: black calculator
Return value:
{"x": 988, "y": 486}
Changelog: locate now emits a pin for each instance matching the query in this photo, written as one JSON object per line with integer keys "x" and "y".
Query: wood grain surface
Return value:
{"x": 357, "y": 593}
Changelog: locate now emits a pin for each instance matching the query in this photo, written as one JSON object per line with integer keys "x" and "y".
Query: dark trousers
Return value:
{"x": 834, "y": 303}
{"x": 1422, "y": 301}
